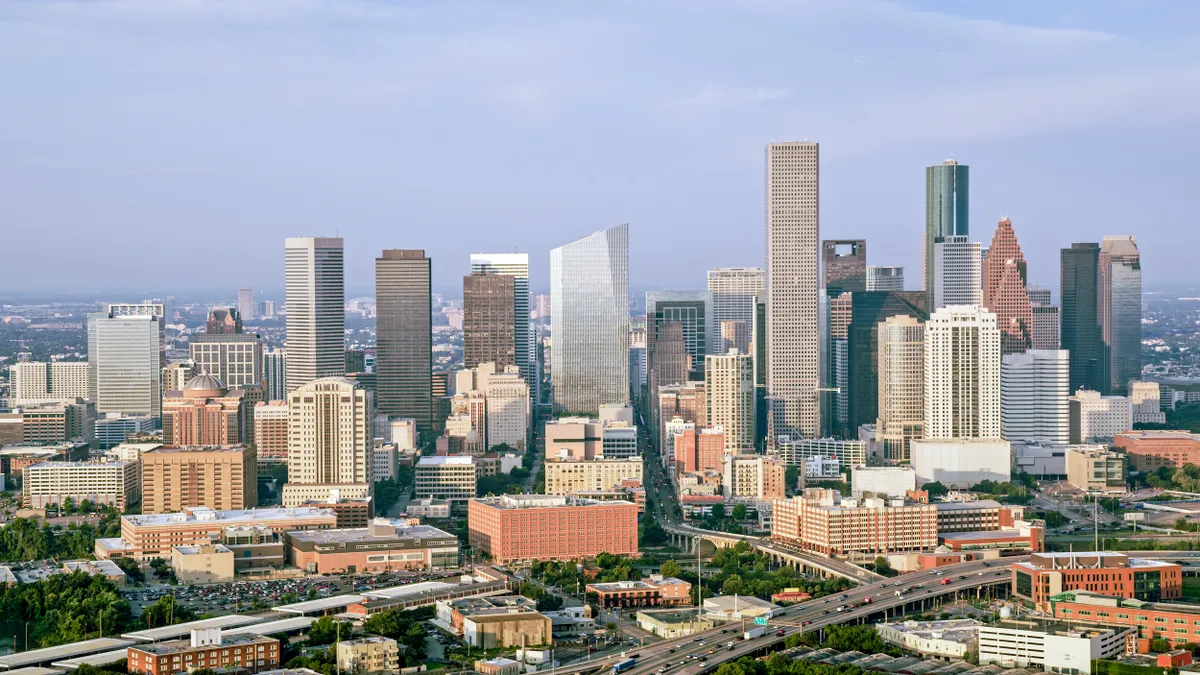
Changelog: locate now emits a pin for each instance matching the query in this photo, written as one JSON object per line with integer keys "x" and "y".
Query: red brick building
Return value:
{"x": 1148, "y": 450}
{"x": 655, "y": 591}
{"x": 702, "y": 450}
{"x": 206, "y": 649}
{"x": 1004, "y": 291}
{"x": 1049, "y": 574}
{"x": 1176, "y": 623}
{"x": 546, "y": 527}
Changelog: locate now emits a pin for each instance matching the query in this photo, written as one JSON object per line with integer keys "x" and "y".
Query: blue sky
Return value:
{"x": 165, "y": 145}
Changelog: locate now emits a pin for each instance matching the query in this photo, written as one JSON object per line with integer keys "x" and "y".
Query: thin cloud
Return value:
{"x": 717, "y": 96}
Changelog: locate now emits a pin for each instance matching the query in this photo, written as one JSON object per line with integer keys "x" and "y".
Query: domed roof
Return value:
{"x": 204, "y": 385}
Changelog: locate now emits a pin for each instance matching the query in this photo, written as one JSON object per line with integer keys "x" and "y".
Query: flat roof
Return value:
{"x": 288, "y": 625}
{"x": 437, "y": 460}
{"x": 536, "y": 501}
{"x": 983, "y": 535}
{"x": 176, "y": 646}
{"x": 35, "y": 670}
{"x": 321, "y": 604}
{"x": 36, "y": 656}
{"x": 200, "y": 514}
{"x": 181, "y": 629}
{"x": 408, "y": 589}
{"x": 101, "y": 659}
{"x": 967, "y": 506}
{"x": 364, "y": 534}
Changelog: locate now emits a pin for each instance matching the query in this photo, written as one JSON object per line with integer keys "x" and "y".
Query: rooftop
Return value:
{"x": 671, "y": 616}
{"x": 955, "y": 630}
{"x": 242, "y": 516}
{"x": 197, "y": 448}
{"x": 321, "y": 604}
{"x": 1087, "y": 560}
{"x": 288, "y": 625}
{"x": 98, "y": 660}
{"x": 983, "y": 535}
{"x": 969, "y": 506}
{"x": 525, "y": 501}
{"x": 181, "y": 629}
{"x": 446, "y": 460}
{"x": 174, "y": 646}
{"x": 35, "y": 656}
{"x": 77, "y": 465}
{"x": 362, "y": 534}
{"x": 196, "y": 550}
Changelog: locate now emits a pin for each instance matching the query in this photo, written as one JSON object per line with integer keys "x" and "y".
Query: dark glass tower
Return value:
{"x": 946, "y": 200}
{"x": 404, "y": 335}
{"x": 1080, "y": 319}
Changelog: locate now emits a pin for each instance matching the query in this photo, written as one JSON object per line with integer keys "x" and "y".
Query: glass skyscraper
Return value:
{"x": 589, "y": 322}
{"x": 125, "y": 359}
{"x": 1080, "y": 334}
{"x": 515, "y": 265}
{"x": 693, "y": 311}
{"x": 1120, "y": 307}
{"x": 946, "y": 200}
{"x": 316, "y": 319}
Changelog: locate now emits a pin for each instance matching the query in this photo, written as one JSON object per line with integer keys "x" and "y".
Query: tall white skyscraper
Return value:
{"x": 589, "y": 321}
{"x": 125, "y": 359}
{"x": 246, "y": 305}
{"x": 901, "y": 386}
{"x": 729, "y": 395}
{"x": 330, "y": 437}
{"x": 316, "y": 319}
{"x": 962, "y": 373}
{"x": 515, "y": 265}
{"x": 735, "y": 290}
{"x": 1035, "y": 390}
{"x": 957, "y": 273}
{"x": 793, "y": 236}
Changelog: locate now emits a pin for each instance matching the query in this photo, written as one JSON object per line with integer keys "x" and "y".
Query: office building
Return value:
{"x": 512, "y": 528}
{"x": 1004, "y": 292}
{"x": 959, "y": 463}
{"x": 1048, "y": 574}
{"x": 125, "y": 359}
{"x": 885, "y": 278}
{"x": 752, "y": 477}
{"x": 589, "y": 294}
{"x": 1053, "y": 647}
{"x": 1098, "y": 419}
{"x": 271, "y": 419}
{"x": 1146, "y": 400}
{"x": 219, "y": 478}
{"x": 489, "y": 320}
{"x": 274, "y": 374}
{"x": 148, "y": 536}
{"x": 175, "y": 375}
{"x": 823, "y": 522}
{"x": 203, "y": 564}
{"x": 116, "y": 428}
{"x": 1034, "y": 396}
{"x": 515, "y": 265}
{"x": 868, "y": 312}
{"x": 883, "y": 481}
{"x": 205, "y": 412}
{"x": 947, "y": 197}
{"x": 735, "y": 292}
{"x": 382, "y": 545}
{"x": 798, "y": 452}
{"x": 962, "y": 382}
{"x": 698, "y": 450}
{"x": 356, "y": 361}
{"x": 564, "y": 476}
{"x": 653, "y": 591}
{"x": 1119, "y": 308}
{"x": 1149, "y": 450}
{"x": 446, "y": 477}
{"x": 507, "y": 400}
{"x": 687, "y": 402}
{"x": 1080, "y": 271}
{"x": 734, "y": 335}
{"x": 901, "y": 397}
{"x": 316, "y": 319}
{"x": 1094, "y": 468}
{"x": 404, "y": 337}
{"x": 844, "y": 265}
{"x": 371, "y": 654}
{"x": 115, "y": 484}
{"x": 330, "y": 438}
{"x": 207, "y": 649}
{"x": 957, "y": 273}
{"x": 1046, "y": 332}
{"x": 729, "y": 393}
{"x": 692, "y": 311}
{"x": 246, "y": 305}
{"x": 793, "y": 344}
{"x": 34, "y": 382}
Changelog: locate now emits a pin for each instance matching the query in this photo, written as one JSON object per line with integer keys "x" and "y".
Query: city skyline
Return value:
{"x": 1058, "y": 67}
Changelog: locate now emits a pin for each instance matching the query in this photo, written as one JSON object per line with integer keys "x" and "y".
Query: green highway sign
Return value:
{"x": 760, "y": 620}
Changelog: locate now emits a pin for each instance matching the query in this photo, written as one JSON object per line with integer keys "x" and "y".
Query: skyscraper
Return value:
{"x": 246, "y": 304}
{"x": 589, "y": 321}
{"x": 693, "y": 311}
{"x": 735, "y": 290}
{"x": 403, "y": 335}
{"x": 516, "y": 265}
{"x": 793, "y": 235}
{"x": 947, "y": 193}
{"x": 125, "y": 359}
{"x": 881, "y": 278}
{"x": 1080, "y": 316}
{"x": 729, "y": 388}
{"x": 957, "y": 273}
{"x": 330, "y": 437}
{"x": 489, "y": 320}
{"x": 274, "y": 376}
{"x": 237, "y": 360}
{"x": 901, "y": 386}
{"x": 1045, "y": 332}
{"x": 1004, "y": 292}
{"x": 962, "y": 373}
{"x": 1034, "y": 396}
{"x": 1120, "y": 311}
{"x": 868, "y": 312}
{"x": 316, "y": 319}
{"x": 844, "y": 262}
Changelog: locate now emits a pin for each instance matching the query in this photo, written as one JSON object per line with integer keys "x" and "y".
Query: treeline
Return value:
{"x": 24, "y": 539}
{"x": 64, "y": 608}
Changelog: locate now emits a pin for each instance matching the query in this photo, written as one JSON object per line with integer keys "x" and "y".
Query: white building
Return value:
{"x": 1097, "y": 419}
{"x": 116, "y": 484}
{"x": 729, "y": 395}
{"x": 330, "y": 438}
{"x": 1058, "y": 647}
{"x": 618, "y": 441}
{"x": 735, "y": 291}
{"x": 32, "y": 382}
{"x": 962, "y": 380}
{"x": 125, "y": 360}
{"x": 564, "y": 476}
{"x": 822, "y": 468}
{"x": 274, "y": 377}
{"x": 447, "y": 477}
{"x": 397, "y": 430}
{"x": 797, "y": 452}
{"x": 384, "y": 459}
{"x": 1035, "y": 388}
{"x": 881, "y": 278}
{"x": 1040, "y": 458}
{"x": 893, "y": 481}
{"x": 507, "y": 401}
{"x": 316, "y": 319}
{"x": 1145, "y": 399}
{"x": 961, "y": 462}
{"x": 957, "y": 272}
{"x": 949, "y": 638}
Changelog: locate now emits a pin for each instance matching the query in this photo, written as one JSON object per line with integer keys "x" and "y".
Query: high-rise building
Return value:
{"x": 316, "y": 319}
{"x": 219, "y": 478}
{"x": 404, "y": 335}
{"x": 1034, "y": 395}
{"x": 729, "y": 384}
{"x": 880, "y": 278}
{"x": 1120, "y": 311}
{"x": 868, "y": 311}
{"x": 957, "y": 274}
{"x": 236, "y": 360}
{"x": 330, "y": 440}
{"x": 901, "y": 386}
{"x": 692, "y": 310}
{"x": 223, "y": 321}
{"x": 271, "y": 431}
{"x": 962, "y": 374}
{"x": 1045, "y": 333}
{"x": 274, "y": 374}
{"x": 246, "y": 305}
{"x": 735, "y": 291}
{"x": 175, "y": 375}
{"x": 1004, "y": 292}
{"x": 667, "y": 360}
{"x": 125, "y": 359}
{"x": 1038, "y": 295}
{"x": 507, "y": 399}
{"x": 515, "y": 265}
{"x": 489, "y": 320}
{"x": 1098, "y": 419}
{"x": 589, "y": 319}
{"x": 947, "y": 193}
{"x": 734, "y": 335}
{"x": 205, "y": 412}
{"x": 844, "y": 265}
{"x": 1080, "y": 316}
{"x": 793, "y": 233}
{"x": 31, "y": 382}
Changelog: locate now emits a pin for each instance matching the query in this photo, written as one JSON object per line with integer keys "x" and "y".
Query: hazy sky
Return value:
{"x": 172, "y": 145}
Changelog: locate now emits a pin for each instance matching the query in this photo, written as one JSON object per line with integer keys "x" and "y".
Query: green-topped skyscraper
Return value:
{"x": 946, "y": 200}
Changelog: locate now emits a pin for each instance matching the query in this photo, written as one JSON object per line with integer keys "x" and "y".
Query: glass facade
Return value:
{"x": 125, "y": 359}
{"x": 1121, "y": 311}
{"x": 946, "y": 202}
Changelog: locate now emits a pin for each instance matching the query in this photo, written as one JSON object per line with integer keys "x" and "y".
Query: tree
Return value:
{"x": 165, "y": 612}
{"x": 670, "y": 568}
{"x": 739, "y": 512}
{"x": 549, "y": 602}
{"x": 733, "y": 585}
{"x": 935, "y": 489}
{"x": 1160, "y": 645}
{"x": 882, "y": 566}
{"x": 718, "y": 511}
{"x": 325, "y": 630}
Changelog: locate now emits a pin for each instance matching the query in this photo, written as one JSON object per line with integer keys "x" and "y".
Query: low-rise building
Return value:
{"x": 115, "y": 484}
{"x": 202, "y": 564}
{"x": 451, "y": 613}
{"x": 381, "y": 546}
{"x": 429, "y": 508}
{"x": 883, "y": 481}
{"x": 1149, "y": 450}
{"x": 796, "y": 452}
{"x": 672, "y": 624}
{"x": 498, "y": 666}
{"x": 207, "y": 649}
{"x": 1098, "y": 419}
{"x": 732, "y": 607}
{"x": 822, "y": 468}
{"x": 371, "y": 654}
{"x": 1176, "y": 623}
{"x": 512, "y": 528}
{"x": 507, "y": 628}
{"x": 351, "y": 512}
{"x": 1049, "y": 574}
{"x": 950, "y": 638}
{"x": 1058, "y": 648}
{"x": 564, "y": 476}
{"x": 757, "y": 477}
{"x": 961, "y": 462}
{"x": 450, "y": 477}
{"x": 822, "y": 521}
{"x": 96, "y": 568}
{"x": 154, "y": 535}
{"x": 655, "y": 591}
{"x": 1094, "y": 468}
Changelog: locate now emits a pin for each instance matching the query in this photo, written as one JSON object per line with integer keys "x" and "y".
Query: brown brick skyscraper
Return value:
{"x": 489, "y": 320}
{"x": 1004, "y": 291}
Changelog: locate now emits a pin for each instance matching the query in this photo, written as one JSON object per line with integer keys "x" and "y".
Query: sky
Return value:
{"x": 162, "y": 146}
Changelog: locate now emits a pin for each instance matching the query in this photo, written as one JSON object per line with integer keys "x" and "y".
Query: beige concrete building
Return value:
{"x": 1098, "y": 419}
{"x": 823, "y": 522}
{"x": 202, "y": 564}
{"x": 901, "y": 386}
{"x": 729, "y": 384}
{"x": 175, "y": 375}
{"x": 33, "y": 382}
{"x": 1094, "y": 468}
{"x": 448, "y": 477}
{"x": 330, "y": 437}
{"x": 506, "y": 628}
{"x": 371, "y": 654}
{"x": 564, "y": 475}
{"x": 220, "y": 478}
{"x": 271, "y": 419}
{"x": 507, "y": 396}
{"x": 1144, "y": 397}
{"x": 205, "y": 412}
{"x": 755, "y": 477}
{"x": 115, "y": 484}
{"x": 962, "y": 366}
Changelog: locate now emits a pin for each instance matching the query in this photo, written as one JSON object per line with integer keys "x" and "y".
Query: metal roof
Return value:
{"x": 101, "y": 659}
{"x": 288, "y": 625}
{"x": 36, "y": 656}
{"x": 321, "y": 604}
{"x": 182, "y": 629}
